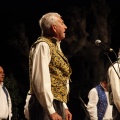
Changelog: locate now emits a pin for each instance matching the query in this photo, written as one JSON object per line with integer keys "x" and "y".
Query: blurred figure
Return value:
{"x": 5, "y": 100}
{"x": 98, "y": 106}
{"x": 49, "y": 72}
{"x": 26, "y": 111}
{"x": 115, "y": 87}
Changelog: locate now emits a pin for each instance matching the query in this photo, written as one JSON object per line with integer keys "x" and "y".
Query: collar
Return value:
{"x": 1, "y": 85}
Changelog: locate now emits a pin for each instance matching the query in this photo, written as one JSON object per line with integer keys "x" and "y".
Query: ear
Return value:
{"x": 53, "y": 28}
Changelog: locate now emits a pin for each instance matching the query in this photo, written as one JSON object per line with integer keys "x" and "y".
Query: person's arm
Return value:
{"x": 92, "y": 104}
{"x": 68, "y": 115}
{"x": 41, "y": 77}
{"x": 115, "y": 85}
{"x": 67, "y": 85}
{"x": 65, "y": 105}
{"x": 26, "y": 111}
{"x": 9, "y": 107}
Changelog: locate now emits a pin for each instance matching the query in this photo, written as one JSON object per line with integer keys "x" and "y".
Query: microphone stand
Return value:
{"x": 106, "y": 53}
{"x": 84, "y": 106}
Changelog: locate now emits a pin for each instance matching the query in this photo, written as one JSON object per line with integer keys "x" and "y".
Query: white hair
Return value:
{"x": 47, "y": 20}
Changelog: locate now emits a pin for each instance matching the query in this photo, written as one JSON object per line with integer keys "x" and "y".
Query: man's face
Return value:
{"x": 105, "y": 84}
{"x": 60, "y": 28}
{"x": 2, "y": 75}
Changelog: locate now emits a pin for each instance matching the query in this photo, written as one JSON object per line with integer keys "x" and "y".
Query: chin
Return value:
{"x": 63, "y": 36}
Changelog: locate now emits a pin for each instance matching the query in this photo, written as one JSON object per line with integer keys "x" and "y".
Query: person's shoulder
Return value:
{"x": 41, "y": 41}
{"x": 43, "y": 38}
{"x": 4, "y": 87}
{"x": 93, "y": 90}
{"x": 115, "y": 64}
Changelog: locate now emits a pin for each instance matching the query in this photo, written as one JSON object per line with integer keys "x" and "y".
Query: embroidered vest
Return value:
{"x": 60, "y": 69}
{"x": 102, "y": 103}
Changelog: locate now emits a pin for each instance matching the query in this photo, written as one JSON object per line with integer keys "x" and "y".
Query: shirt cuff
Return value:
{"x": 10, "y": 116}
{"x": 65, "y": 106}
{"x": 51, "y": 110}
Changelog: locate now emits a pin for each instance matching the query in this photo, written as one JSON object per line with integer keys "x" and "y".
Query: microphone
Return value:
{"x": 106, "y": 48}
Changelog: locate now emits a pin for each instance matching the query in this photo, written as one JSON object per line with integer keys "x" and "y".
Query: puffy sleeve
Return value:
{"x": 115, "y": 84}
{"x": 92, "y": 104}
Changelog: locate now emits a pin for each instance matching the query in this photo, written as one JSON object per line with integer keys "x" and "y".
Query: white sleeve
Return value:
{"x": 67, "y": 85}
{"x": 65, "y": 105}
{"x": 115, "y": 85}
{"x": 26, "y": 111}
{"x": 41, "y": 76}
{"x": 92, "y": 104}
{"x": 9, "y": 106}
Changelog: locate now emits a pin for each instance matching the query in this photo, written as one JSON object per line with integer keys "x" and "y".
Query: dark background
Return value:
{"x": 87, "y": 21}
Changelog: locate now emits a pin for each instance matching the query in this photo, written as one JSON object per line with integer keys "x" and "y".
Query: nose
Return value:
{"x": 65, "y": 27}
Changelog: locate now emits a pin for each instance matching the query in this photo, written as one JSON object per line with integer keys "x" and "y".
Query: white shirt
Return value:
{"x": 26, "y": 112}
{"x": 41, "y": 76}
{"x": 115, "y": 84}
{"x": 5, "y": 106}
{"x": 92, "y": 106}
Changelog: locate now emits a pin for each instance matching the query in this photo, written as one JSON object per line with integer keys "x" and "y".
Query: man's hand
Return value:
{"x": 68, "y": 114}
{"x": 55, "y": 116}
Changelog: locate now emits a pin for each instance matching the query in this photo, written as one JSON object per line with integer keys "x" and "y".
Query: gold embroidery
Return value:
{"x": 59, "y": 69}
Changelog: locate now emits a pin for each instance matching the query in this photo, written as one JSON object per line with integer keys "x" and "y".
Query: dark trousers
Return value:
{"x": 36, "y": 112}
{"x": 115, "y": 113}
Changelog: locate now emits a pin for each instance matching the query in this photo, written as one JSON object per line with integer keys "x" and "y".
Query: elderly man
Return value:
{"x": 49, "y": 72}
